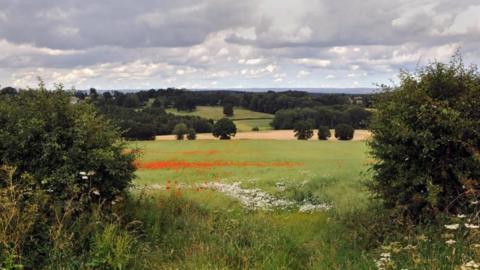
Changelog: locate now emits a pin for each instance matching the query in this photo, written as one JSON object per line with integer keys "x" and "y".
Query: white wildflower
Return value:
{"x": 471, "y": 226}
{"x": 84, "y": 177}
{"x": 452, "y": 226}
{"x": 474, "y": 202}
{"x": 83, "y": 173}
{"x": 461, "y": 216}
{"x": 450, "y": 242}
{"x": 96, "y": 192}
{"x": 471, "y": 265}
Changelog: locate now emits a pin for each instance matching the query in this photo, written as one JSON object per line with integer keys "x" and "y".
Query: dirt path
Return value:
{"x": 359, "y": 135}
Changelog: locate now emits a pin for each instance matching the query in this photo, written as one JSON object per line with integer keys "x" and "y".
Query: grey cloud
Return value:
{"x": 71, "y": 24}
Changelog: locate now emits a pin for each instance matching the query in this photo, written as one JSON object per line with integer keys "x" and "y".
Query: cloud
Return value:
{"x": 226, "y": 43}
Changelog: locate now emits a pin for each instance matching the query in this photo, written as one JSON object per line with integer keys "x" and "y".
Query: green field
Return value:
{"x": 244, "y": 119}
{"x": 329, "y": 171}
{"x": 334, "y": 167}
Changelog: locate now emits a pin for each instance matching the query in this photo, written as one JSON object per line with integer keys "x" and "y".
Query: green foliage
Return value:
{"x": 224, "y": 128}
{"x": 303, "y": 130}
{"x": 324, "y": 133}
{"x": 67, "y": 150}
{"x": 228, "y": 109}
{"x": 255, "y": 129}
{"x": 426, "y": 138}
{"x": 192, "y": 134}
{"x": 344, "y": 132}
{"x": 180, "y": 130}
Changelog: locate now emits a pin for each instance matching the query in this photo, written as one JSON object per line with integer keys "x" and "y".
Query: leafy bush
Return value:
{"x": 303, "y": 130}
{"x": 180, "y": 130}
{"x": 192, "y": 134}
{"x": 255, "y": 129}
{"x": 224, "y": 128}
{"x": 344, "y": 132}
{"x": 228, "y": 109}
{"x": 324, "y": 133}
{"x": 426, "y": 138}
{"x": 68, "y": 150}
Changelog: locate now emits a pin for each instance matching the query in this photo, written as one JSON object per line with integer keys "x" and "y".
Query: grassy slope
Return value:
{"x": 332, "y": 169}
{"x": 262, "y": 122}
{"x": 336, "y": 167}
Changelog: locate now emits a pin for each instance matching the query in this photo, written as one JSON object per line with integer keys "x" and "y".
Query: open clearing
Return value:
{"x": 330, "y": 168}
{"x": 293, "y": 188}
{"x": 359, "y": 135}
{"x": 244, "y": 119}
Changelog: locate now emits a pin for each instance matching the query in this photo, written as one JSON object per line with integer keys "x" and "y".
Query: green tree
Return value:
{"x": 224, "y": 129}
{"x": 303, "y": 130}
{"x": 426, "y": 138}
{"x": 228, "y": 109}
{"x": 68, "y": 150}
{"x": 324, "y": 133}
{"x": 192, "y": 134}
{"x": 180, "y": 130}
{"x": 344, "y": 132}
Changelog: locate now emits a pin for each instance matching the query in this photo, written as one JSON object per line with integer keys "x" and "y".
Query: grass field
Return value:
{"x": 330, "y": 172}
{"x": 334, "y": 167}
{"x": 244, "y": 119}
{"x": 206, "y": 228}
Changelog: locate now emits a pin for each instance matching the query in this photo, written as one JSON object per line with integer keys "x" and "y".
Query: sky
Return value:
{"x": 215, "y": 44}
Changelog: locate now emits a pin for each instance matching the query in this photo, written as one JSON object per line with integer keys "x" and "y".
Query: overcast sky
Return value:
{"x": 120, "y": 44}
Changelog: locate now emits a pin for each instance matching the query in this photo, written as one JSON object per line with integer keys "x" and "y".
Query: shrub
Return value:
{"x": 324, "y": 133}
{"x": 255, "y": 129}
{"x": 228, "y": 109}
{"x": 344, "y": 132}
{"x": 192, "y": 134}
{"x": 426, "y": 139}
{"x": 224, "y": 128}
{"x": 68, "y": 150}
{"x": 303, "y": 130}
{"x": 180, "y": 130}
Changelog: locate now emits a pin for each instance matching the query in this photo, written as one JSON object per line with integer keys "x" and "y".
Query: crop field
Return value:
{"x": 333, "y": 170}
{"x": 304, "y": 183}
{"x": 244, "y": 119}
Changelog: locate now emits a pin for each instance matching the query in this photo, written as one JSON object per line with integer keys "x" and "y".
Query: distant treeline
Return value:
{"x": 268, "y": 102}
{"x": 141, "y": 115}
{"x": 329, "y": 116}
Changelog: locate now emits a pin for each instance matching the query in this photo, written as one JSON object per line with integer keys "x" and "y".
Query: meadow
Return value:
{"x": 243, "y": 118}
{"x": 328, "y": 172}
{"x": 192, "y": 188}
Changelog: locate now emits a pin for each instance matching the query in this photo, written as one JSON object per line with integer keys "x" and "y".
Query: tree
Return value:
{"x": 344, "y": 132}
{"x": 324, "y": 133}
{"x": 8, "y": 91}
{"x": 180, "y": 130}
{"x": 303, "y": 130}
{"x": 132, "y": 101}
{"x": 228, "y": 109}
{"x": 224, "y": 128}
{"x": 192, "y": 134}
{"x": 426, "y": 138}
{"x": 67, "y": 150}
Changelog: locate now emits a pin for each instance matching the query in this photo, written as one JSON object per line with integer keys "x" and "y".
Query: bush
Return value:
{"x": 303, "y": 130}
{"x": 228, "y": 109}
{"x": 180, "y": 130}
{"x": 224, "y": 128}
{"x": 426, "y": 139}
{"x": 68, "y": 150}
{"x": 324, "y": 133}
{"x": 192, "y": 134}
{"x": 344, "y": 132}
{"x": 255, "y": 129}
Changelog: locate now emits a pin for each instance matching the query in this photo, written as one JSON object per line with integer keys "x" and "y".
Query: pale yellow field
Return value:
{"x": 359, "y": 135}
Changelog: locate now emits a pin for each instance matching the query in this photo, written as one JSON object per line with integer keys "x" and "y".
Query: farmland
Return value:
{"x": 244, "y": 119}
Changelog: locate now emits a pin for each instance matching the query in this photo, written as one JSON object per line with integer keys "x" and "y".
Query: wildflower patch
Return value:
{"x": 180, "y": 164}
